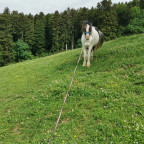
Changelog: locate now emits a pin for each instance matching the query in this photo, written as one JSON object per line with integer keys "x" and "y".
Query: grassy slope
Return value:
{"x": 105, "y": 104}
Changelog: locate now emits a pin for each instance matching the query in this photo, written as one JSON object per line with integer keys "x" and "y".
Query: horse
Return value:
{"x": 91, "y": 40}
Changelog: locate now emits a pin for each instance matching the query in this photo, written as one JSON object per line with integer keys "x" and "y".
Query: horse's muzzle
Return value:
{"x": 87, "y": 36}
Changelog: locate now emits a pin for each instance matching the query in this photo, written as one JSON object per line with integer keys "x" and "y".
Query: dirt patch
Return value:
{"x": 16, "y": 130}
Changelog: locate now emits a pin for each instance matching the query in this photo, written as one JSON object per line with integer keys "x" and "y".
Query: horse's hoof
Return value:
{"x": 84, "y": 64}
{"x": 88, "y": 65}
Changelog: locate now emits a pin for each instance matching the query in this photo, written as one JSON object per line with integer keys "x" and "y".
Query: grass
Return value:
{"x": 105, "y": 104}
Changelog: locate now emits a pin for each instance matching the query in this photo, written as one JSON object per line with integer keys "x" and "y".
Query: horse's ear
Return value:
{"x": 82, "y": 29}
{"x": 90, "y": 22}
{"x": 83, "y": 26}
{"x": 83, "y": 22}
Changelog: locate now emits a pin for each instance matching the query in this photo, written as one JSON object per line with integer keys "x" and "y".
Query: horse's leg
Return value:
{"x": 85, "y": 56}
{"x": 89, "y": 54}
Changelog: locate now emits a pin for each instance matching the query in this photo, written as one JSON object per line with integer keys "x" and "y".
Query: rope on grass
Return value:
{"x": 65, "y": 99}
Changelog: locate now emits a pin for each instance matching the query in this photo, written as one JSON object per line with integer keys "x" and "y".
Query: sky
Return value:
{"x": 48, "y": 6}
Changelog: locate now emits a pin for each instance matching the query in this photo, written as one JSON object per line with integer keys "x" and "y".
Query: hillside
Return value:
{"x": 105, "y": 104}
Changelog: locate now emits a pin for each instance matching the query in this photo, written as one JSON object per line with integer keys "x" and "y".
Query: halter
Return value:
{"x": 87, "y": 33}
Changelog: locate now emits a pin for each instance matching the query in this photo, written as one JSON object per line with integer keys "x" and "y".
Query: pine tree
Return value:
{"x": 55, "y": 23}
{"x": 135, "y": 3}
{"x": 18, "y": 25}
{"x": 92, "y": 16}
{"x": 6, "y": 11}
{"x": 107, "y": 19}
{"x": 73, "y": 21}
{"x": 29, "y": 31}
{"x": 70, "y": 29}
{"x": 22, "y": 25}
{"x": 66, "y": 31}
{"x": 141, "y": 4}
{"x": 6, "y": 43}
{"x": 15, "y": 25}
{"x": 48, "y": 32}
{"x": 83, "y": 14}
{"x": 78, "y": 26}
{"x": 39, "y": 35}
{"x": 122, "y": 14}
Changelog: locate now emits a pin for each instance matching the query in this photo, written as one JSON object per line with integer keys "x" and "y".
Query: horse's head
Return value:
{"x": 87, "y": 29}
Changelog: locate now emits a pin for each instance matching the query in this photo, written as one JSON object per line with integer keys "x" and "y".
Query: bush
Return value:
{"x": 21, "y": 51}
{"x": 78, "y": 44}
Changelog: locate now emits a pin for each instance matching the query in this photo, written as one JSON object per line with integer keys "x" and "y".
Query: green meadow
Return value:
{"x": 105, "y": 104}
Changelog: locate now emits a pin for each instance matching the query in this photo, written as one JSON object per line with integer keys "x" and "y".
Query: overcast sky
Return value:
{"x": 48, "y": 6}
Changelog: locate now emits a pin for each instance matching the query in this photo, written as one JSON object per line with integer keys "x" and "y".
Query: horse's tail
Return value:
{"x": 101, "y": 39}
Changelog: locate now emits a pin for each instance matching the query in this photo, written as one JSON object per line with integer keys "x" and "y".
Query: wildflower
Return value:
{"x": 63, "y": 141}
{"x": 75, "y": 136}
{"x": 59, "y": 135}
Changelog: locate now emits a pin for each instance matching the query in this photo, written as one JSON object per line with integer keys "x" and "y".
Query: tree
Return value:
{"x": 39, "y": 35}
{"x": 141, "y": 4}
{"x": 29, "y": 31}
{"x": 6, "y": 11}
{"x": 136, "y": 24}
{"x": 122, "y": 14}
{"x": 18, "y": 21}
{"x": 77, "y": 26}
{"x": 55, "y": 23}
{"x": 60, "y": 31}
{"x": 6, "y": 43}
{"x": 134, "y": 12}
{"x": 48, "y": 32}
{"x": 67, "y": 29}
{"x": 92, "y": 15}
{"x": 21, "y": 51}
{"x": 73, "y": 21}
{"x": 107, "y": 19}
{"x": 135, "y": 3}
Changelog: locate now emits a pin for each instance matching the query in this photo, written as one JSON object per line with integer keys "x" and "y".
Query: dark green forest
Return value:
{"x": 25, "y": 37}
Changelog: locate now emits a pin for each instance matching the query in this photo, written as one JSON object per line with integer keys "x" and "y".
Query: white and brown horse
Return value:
{"x": 91, "y": 40}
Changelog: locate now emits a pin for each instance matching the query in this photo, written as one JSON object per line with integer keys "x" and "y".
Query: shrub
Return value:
{"x": 21, "y": 51}
{"x": 78, "y": 44}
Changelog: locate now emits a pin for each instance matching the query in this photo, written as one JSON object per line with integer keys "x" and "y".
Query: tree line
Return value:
{"x": 28, "y": 36}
